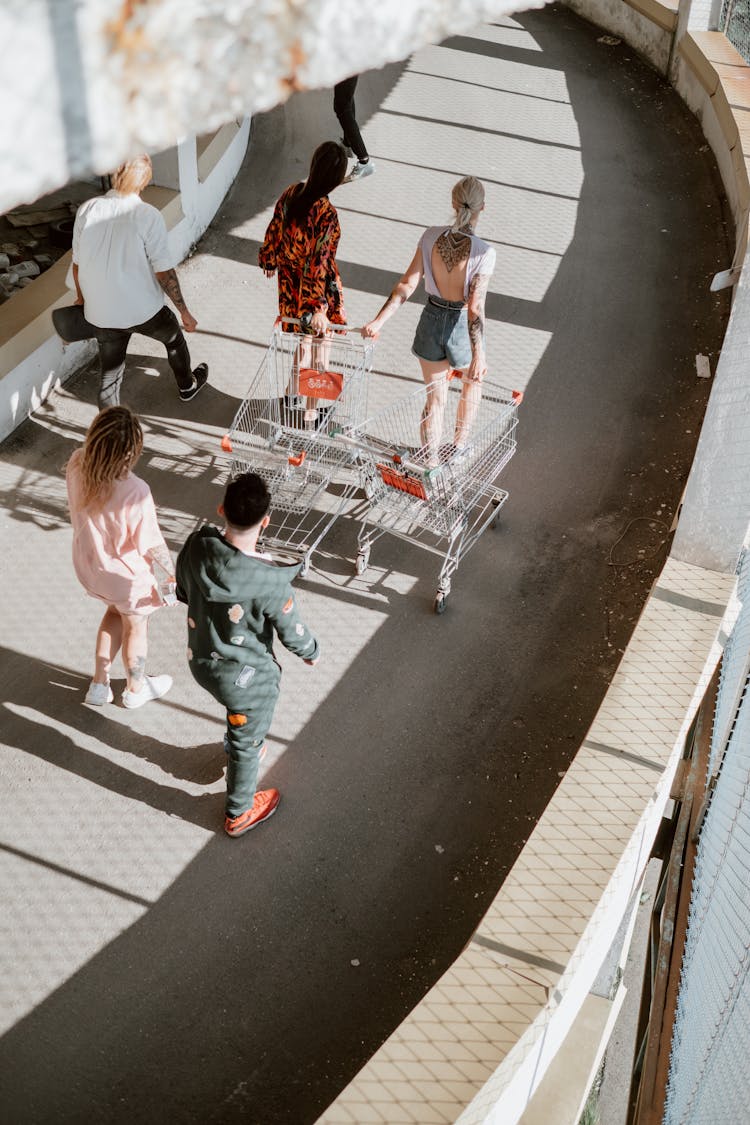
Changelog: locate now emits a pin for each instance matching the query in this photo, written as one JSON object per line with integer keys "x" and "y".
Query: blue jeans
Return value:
{"x": 443, "y": 333}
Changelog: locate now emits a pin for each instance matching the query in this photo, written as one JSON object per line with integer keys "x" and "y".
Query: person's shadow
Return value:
{"x": 41, "y": 700}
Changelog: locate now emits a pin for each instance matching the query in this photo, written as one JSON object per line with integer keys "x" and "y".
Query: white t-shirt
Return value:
{"x": 119, "y": 243}
{"x": 481, "y": 259}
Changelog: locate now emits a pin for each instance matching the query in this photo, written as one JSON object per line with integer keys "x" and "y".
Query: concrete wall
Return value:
{"x": 646, "y": 24}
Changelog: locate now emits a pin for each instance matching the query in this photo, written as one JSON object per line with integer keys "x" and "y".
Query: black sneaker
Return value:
{"x": 200, "y": 378}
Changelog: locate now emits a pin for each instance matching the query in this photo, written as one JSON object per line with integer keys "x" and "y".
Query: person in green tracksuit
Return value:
{"x": 237, "y": 598}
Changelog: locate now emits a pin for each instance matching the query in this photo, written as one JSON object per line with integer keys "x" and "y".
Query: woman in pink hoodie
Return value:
{"x": 116, "y": 545}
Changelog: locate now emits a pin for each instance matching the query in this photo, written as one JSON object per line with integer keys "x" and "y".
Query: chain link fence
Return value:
{"x": 735, "y": 23}
{"x": 709, "y": 1079}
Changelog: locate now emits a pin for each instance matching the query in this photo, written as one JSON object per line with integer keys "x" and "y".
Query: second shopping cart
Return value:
{"x": 429, "y": 467}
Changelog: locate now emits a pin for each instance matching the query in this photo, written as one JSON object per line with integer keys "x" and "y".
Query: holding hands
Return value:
{"x": 319, "y": 323}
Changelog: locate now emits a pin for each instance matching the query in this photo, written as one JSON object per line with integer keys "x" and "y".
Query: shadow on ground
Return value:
{"x": 266, "y": 975}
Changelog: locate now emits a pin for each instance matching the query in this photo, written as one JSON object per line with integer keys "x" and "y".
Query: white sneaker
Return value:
{"x": 99, "y": 694}
{"x": 359, "y": 171}
{"x": 154, "y": 687}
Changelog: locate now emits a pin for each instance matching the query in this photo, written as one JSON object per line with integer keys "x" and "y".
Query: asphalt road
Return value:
{"x": 199, "y": 979}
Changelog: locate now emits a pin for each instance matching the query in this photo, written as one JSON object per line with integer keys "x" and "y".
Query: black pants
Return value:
{"x": 113, "y": 344}
{"x": 343, "y": 107}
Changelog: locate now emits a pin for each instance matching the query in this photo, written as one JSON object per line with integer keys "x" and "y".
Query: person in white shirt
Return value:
{"x": 122, "y": 269}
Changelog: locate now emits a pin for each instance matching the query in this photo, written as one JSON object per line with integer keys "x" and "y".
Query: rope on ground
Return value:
{"x": 653, "y": 521}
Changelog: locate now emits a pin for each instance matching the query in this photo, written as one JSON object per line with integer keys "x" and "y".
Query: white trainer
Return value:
{"x": 154, "y": 687}
{"x": 99, "y": 694}
{"x": 359, "y": 171}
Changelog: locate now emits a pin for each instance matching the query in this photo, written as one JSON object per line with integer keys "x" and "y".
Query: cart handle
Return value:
{"x": 226, "y": 443}
{"x": 341, "y": 328}
{"x": 296, "y": 459}
{"x": 456, "y": 373}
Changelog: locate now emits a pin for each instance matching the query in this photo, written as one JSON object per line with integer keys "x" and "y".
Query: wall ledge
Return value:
{"x": 661, "y": 12}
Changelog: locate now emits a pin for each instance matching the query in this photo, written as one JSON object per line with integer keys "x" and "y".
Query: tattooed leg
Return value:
{"x": 431, "y": 427}
{"x": 471, "y": 395}
{"x": 134, "y": 650}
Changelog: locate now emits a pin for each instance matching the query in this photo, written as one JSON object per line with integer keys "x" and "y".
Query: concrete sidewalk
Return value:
{"x": 155, "y": 970}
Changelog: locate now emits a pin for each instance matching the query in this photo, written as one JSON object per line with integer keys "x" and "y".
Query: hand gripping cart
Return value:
{"x": 430, "y": 462}
{"x": 281, "y": 431}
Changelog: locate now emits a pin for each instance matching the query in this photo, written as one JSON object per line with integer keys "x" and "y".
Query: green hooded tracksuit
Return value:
{"x": 235, "y": 602}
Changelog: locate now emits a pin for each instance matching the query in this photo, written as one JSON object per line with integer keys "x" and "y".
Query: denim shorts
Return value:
{"x": 443, "y": 333}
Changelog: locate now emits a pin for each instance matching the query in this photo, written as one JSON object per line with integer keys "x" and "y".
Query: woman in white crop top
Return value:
{"x": 456, "y": 267}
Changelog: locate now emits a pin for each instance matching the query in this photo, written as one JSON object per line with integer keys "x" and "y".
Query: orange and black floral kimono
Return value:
{"x": 304, "y": 257}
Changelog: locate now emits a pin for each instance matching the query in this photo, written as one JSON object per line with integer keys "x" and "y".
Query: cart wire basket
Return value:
{"x": 429, "y": 466}
{"x": 281, "y": 432}
{"x": 310, "y": 383}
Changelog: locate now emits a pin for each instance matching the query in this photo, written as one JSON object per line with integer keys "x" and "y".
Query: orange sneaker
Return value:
{"x": 265, "y": 803}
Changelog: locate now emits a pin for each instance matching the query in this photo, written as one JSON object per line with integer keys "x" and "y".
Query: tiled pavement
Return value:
{"x": 122, "y": 938}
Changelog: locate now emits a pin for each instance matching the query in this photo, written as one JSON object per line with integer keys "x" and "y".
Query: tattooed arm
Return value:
{"x": 160, "y": 556}
{"x": 171, "y": 286}
{"x": 401, "y": 292}
{"x": 477, "y": 294}
{"x": 79, "y": 295}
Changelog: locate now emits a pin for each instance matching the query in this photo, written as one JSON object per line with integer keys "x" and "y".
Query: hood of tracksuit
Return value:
{"x": 225, "y": 574}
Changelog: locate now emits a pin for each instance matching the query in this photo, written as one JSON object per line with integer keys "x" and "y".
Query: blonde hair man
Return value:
{"x": 122, "y": 269}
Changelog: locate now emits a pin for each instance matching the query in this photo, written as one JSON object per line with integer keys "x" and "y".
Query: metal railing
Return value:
{"x": 708, "y": 1080}
{"x": 735, "y": 23}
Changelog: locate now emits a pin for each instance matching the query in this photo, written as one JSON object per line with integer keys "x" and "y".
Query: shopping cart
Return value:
{"x": 314, "y": 382}
{"x": 425, "y": 486}
{"x": 304, "y": 386}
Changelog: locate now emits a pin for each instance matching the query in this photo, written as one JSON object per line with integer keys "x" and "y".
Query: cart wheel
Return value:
{"x": 362, "y": 562}
{"x": 305, "y": 566}
{"x": 496, "y": 517}
{"x": 440, "y": 600}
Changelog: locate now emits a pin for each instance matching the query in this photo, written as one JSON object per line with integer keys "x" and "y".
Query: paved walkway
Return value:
{"x": 155, "y": 970}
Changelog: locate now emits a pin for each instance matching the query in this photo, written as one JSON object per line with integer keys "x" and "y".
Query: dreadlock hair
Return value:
{"x": 112, "y": 446}
{"x": 327, "y": 170}
{"x": 246, "y": 501}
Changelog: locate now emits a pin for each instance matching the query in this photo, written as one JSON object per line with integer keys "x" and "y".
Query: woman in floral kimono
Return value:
{"x": 301, "y": 242}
